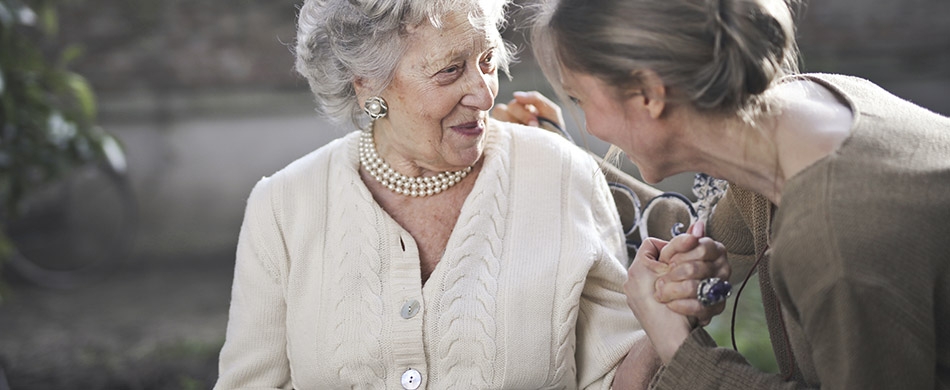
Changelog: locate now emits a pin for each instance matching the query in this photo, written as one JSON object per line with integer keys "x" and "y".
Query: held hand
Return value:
{"x": 691, "y": 258}
{"x": 525, "y": 109}
{"x": 667, "y": 329}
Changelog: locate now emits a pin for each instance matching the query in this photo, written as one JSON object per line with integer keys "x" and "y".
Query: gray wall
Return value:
{"x": 203, "y": 94}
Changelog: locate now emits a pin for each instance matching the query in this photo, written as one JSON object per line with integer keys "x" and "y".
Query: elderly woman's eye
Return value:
{"x": 488, "y": 65}
{"x": 451, "y": 69}
{"x": 488, "y": 62}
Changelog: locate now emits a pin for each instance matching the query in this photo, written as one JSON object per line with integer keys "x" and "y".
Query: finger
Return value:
{"x": 725, "y": 270}
{"x": 698, "y": 270}
{"x": 680, "y": 244}
{"x": 648, "y": 266}
{"x": 651, "y": 248}
{"x": 545, "y": 107}
{"x": 641, "y": 276}
{"x": 523, "y": 113}
{"x": 683, "y": 278}
{"x": 646, "y": 257}
{"x": 693, "y": 270}
{"x": 680, "y": 280}
{"x": 697, "y": 229}
{"x": 500, "y": 112}
{"x": 692, "y": 308}
{"x": 705, "y": 249}
{"x": 532, "y": 109}
{"x": 722, "y": 267}
{"x": 668, "y": 291}
{"x": 656, "y": 266}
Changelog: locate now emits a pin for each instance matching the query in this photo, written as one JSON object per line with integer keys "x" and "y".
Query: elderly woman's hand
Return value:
{"x": 691, "y": 258}
{"x": 527, "y": 107}
{"x": 667, "y": 329}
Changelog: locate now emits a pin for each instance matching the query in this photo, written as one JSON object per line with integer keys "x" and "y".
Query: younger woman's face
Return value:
{"x": 621, "y": 121}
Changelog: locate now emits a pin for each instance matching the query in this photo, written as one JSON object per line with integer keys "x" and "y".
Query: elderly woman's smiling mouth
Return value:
{"x": 472, "y": 129}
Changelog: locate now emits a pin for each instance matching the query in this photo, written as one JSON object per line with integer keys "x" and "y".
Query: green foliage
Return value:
{"x": 752, "y": 334}
{"x": 6, "y": 248}
{"x": 47, "y": 113}
{"x": 186, "y": 382}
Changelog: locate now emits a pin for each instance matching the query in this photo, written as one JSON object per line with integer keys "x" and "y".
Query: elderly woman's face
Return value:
{"x": 440, "y": 97}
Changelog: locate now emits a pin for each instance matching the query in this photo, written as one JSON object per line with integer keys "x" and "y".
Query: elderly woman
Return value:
{"x": 436, "y": 247}
{"x": 838, "y": 197}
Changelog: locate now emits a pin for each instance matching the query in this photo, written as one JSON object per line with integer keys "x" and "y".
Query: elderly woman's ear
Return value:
{"x": 362, "y": 88}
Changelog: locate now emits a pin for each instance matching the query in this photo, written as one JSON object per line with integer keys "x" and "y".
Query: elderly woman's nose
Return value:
{"x": 479, "y": 92}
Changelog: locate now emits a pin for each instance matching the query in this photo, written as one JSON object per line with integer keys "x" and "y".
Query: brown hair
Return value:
{"x": 718, "y": 55}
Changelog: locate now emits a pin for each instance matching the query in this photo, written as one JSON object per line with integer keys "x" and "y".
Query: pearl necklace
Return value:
{"x": 399, "y": 183}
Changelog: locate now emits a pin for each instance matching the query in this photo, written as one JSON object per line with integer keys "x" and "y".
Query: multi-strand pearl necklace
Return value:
{"x": 399, "y": 183}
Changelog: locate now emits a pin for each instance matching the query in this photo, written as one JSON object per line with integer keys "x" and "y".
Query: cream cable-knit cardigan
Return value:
{"x": 528, "y": 294}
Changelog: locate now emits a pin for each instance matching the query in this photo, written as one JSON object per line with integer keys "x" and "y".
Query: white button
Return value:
{"x": 410, "y": 309}
{"x": 411, "y": 379}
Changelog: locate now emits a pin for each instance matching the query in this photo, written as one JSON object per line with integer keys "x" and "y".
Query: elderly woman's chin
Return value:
{"x": 467, "y": 155}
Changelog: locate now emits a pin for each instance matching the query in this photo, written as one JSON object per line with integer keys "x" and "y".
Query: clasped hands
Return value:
{"x": 662, "y": 282}
{"x": 664, "y": 276}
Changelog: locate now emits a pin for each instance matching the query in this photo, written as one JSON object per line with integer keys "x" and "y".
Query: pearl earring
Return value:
{"x": 375, "y": 107}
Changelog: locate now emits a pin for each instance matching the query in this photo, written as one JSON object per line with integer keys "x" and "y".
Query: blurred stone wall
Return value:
{"x": 186, "y": 46}
{"x": 204, "y": 96}
{"x": 902, "y": 45}
{"x": 182, "y": 45}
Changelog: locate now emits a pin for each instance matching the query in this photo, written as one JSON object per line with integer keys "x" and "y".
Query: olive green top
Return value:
{"x": 856, "y": 285}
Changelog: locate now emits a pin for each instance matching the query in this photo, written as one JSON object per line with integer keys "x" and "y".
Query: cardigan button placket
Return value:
{"x": 411, "y": 379}
{"x": 410, "y": 309}
{"x": 406, "y": 336}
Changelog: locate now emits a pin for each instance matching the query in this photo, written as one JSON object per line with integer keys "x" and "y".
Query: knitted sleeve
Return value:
{"x": 254, "y": 353}
{"x": 606, "y": 328}
{"x": 732, "y": 226}
{"x": 699, "y": 364}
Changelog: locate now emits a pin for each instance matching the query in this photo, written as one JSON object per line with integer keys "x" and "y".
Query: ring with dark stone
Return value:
{"x": 711, "y": 291}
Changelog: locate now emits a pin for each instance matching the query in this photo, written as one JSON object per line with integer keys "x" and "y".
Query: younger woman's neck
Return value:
{"x": 744, "y": 153}
{"x": 806, "y": 123}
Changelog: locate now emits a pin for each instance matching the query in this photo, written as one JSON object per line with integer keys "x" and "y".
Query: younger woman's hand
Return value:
{"x": 691, "y": 257}
{"x": 525, "y": 109}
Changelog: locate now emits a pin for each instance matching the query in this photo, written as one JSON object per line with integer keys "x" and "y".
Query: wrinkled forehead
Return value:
{"x": 462, "y": 17}
{"x": 480, "y": 14}
{"x": 457, "y": 35}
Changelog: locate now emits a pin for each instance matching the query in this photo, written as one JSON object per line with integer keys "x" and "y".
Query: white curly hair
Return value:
{"x": 339, "y": 41}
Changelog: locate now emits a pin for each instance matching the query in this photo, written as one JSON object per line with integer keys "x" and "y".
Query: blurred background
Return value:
{"x": 202, "y": 97}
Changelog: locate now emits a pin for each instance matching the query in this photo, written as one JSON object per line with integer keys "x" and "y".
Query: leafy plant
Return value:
{"x": 47, "y": 112}
{"x": 751, "y": 329}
